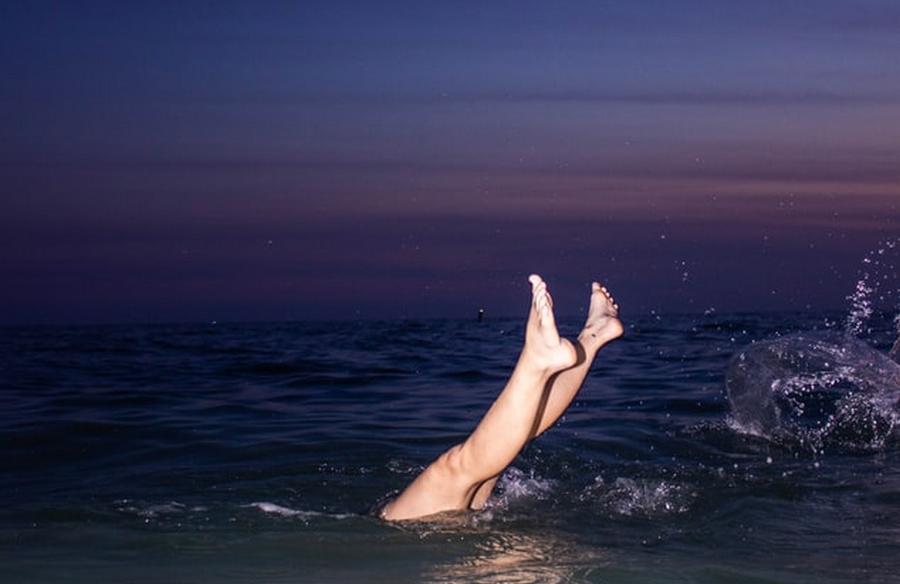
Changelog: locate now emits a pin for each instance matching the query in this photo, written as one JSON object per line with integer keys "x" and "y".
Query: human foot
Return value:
{"x": 603, "y": 324}
{"x": 543, "y": 346}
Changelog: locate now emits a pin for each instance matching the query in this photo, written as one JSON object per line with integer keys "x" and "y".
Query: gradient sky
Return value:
{"x": 188, "y": 161}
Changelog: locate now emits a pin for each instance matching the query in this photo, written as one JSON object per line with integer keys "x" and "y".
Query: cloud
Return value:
{"x": 698, "y": 98}
{"x": 729, "y": 98}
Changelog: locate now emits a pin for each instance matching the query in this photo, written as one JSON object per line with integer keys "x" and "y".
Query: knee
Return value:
{"x": 452, "y": 466}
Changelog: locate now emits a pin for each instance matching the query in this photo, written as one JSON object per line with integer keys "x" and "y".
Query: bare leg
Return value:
{"x": 602, "y": 326}
{"x": 450, "y": 482}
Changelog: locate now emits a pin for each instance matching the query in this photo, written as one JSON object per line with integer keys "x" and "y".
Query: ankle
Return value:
{"x": 533, "y": 368}
{"x": 590, "y": 342}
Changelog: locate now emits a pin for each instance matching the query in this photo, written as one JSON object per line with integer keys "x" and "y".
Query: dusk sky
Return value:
{"x": 187, "y": 161}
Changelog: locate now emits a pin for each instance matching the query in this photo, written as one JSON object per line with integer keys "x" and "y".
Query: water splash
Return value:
{"x": 819, "y": 390}
{"x": 877, "y": 284}
{"x": 895, "y": 350}
{"x": 515, "y": 485}
{"x": 860, "y": 307}
{"x": 638, "y": 497}
{"x": 825, "y": 390}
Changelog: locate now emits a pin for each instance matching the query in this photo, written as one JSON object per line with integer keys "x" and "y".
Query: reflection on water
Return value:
{"x": 519, "y": 558}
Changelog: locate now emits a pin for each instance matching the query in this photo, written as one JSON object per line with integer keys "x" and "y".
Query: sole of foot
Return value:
{"x": 603, "y": 324}
{"x": 543, "y": 345}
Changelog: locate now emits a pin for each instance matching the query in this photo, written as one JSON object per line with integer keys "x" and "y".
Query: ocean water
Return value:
{"x": 255, "y": 452}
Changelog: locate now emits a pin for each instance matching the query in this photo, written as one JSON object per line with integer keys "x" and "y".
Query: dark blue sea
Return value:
{"x": 255, "y": 453}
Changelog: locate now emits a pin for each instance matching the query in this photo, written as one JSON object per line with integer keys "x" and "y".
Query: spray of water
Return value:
{"x": 816, "y": 390}
{"x": 895, "y": 350}
{"x": 877, "y": 284}
{"x": 824, "y": 390}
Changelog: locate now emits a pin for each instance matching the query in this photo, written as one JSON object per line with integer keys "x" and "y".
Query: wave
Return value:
{"x": 281, "y": 511}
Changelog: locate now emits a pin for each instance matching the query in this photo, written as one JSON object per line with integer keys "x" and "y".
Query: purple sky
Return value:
{"x": 321, "y": 160}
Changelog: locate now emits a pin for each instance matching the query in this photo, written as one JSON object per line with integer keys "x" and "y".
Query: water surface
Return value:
{"x": 254, "y": 452}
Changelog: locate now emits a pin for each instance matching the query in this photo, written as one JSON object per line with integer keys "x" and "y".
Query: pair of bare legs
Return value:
{"x": 547, "y": 376}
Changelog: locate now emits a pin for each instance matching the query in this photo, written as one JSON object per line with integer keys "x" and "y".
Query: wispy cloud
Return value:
{"x": 737, "y": 97}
